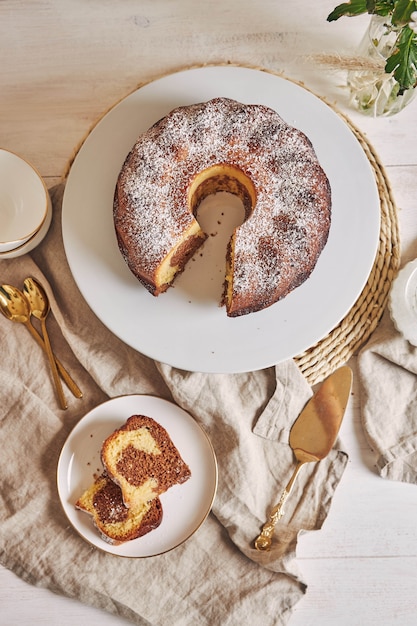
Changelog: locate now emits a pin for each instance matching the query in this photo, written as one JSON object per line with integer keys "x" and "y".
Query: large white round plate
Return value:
{"x": 185, "y": 507}
{"x": 186, "y": 327}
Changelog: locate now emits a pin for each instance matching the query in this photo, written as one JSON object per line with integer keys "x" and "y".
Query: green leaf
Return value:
{"x": 404, "y": 61}
{"x": 373, "y": 7}
{"x": 352, "y": 8}
{"x": 381, "y": 7}
{"x": 402, "y": 12}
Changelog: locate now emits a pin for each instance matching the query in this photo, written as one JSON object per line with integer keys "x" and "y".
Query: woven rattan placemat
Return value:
{"x": 354, "y": 330}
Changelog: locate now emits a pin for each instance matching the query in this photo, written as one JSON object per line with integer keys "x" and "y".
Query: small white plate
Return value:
{"x": 23, "y": 201}
{"x": 403, "y": 302}
{"x": 35, "y": 240}
{"x": 185, "y": 507}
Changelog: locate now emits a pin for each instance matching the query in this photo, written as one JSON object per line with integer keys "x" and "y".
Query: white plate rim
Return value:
{"x": 402, "y": 309}
{"x": 258, "y": 340}
{"x": 36, "y": 227}
{"x": 33, "y": 241}
{"x": 76, "y": 470}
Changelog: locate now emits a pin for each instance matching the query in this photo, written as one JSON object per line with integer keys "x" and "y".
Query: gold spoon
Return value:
{"x": 39, "y": 307}
{"x": 14, "y": 306}
{"x": 312, "y": 437}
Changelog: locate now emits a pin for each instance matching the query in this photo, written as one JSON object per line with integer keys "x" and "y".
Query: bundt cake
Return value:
{"x": 224, "y": 145}
{"x": 115, "y": 522}
{"x": 141, "y": 458}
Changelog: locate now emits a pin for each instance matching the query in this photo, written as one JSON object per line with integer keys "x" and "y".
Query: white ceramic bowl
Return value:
{"x": 23, "y": 201}
{"x": 33, "y": 241}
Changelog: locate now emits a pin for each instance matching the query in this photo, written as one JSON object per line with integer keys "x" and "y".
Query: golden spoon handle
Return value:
{"x": 54, "y": 369}
{"x": 71, "y": 384}
{"x": 264, "y": 540}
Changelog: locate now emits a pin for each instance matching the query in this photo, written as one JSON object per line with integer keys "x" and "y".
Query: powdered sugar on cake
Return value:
{"x": 278, "y": 244}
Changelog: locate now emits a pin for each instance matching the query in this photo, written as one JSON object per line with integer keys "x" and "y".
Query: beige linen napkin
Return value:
{"x": 216, "y": 577}
{"x": 388, "y": 379}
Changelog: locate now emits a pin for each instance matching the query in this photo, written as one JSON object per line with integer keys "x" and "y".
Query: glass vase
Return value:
{"x": 373, "y": 91}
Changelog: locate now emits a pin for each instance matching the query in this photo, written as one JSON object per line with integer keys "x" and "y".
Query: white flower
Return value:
{"x": 413, "y": 22}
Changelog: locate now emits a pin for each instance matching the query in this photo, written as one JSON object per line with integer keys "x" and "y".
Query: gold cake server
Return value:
{"x": 312, "y": 437}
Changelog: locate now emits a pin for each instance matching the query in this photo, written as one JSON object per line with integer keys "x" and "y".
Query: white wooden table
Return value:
{"x": 63, "y": 64}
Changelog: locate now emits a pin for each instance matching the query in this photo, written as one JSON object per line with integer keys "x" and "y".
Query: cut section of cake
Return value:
{"x": 141, "y": 458}
{"x": 115, "y": 522}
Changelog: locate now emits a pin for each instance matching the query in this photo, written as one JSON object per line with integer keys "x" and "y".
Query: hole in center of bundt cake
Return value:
{"x": 219, "y": 214}
{"x": 222, "y": 177}
{"x": 221, "y": 198}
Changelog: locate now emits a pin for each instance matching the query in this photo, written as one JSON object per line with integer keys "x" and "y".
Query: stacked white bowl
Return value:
{"x": 25, "y": 206}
